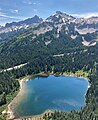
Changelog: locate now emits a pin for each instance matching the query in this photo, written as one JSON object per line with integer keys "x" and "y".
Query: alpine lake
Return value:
{"x": 64, "y": 93}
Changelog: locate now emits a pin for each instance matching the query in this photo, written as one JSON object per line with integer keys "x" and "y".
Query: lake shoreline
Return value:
{"x": 11, "y": 114}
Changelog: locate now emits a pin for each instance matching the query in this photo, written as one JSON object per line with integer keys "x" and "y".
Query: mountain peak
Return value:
{"x": 63, "y": 14}
{"x": 60, "y": 16}
{"x": 36, "y": 16}
{"x": 34, "y": 20}
{"x": 59, "y": 12}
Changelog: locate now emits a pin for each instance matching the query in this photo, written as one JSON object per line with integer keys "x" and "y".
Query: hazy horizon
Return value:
{"x": 19, "y": 10}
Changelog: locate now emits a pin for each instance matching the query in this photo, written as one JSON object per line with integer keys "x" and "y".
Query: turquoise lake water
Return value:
{"x": 58, "y": 93}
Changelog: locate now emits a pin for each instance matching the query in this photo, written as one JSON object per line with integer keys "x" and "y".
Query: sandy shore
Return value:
{"x": 37, "y": 117}
{"x": 11, "y": 107}
{"x": 11, "y": 114}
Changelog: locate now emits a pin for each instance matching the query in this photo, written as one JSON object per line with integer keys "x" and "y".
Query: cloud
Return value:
{"x": 11, "y": 17}
{"x": 14, "y": 11}
{"x": 35, "y": 10}
{"x": 86, "y": 15}
{"x": 28, "y": 2}
{"x": 34, "y": 3}
{"x": 2, "y": 24}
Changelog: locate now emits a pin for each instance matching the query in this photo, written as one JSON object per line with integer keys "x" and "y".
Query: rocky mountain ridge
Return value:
{"x": 83, "y": 25}
{"x": 61, "y": 23}
{"x": 10, "y": 27}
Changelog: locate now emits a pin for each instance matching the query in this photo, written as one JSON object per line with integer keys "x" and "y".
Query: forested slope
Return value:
{"x": 50, "y": 52}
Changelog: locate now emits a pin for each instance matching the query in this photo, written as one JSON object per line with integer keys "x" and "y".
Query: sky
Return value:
{"x": 17, "y": 10}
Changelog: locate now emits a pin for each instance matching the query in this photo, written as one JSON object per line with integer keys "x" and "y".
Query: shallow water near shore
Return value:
{"x": 57, "y": 93}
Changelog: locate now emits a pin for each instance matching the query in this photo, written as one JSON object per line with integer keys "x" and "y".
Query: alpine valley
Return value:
{"x": 58, "y": 45}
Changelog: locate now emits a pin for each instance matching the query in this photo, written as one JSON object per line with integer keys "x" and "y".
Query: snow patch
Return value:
{"x": 73, "y": 36}
{"x": 60, "y": 55}
{"x": 47, "y": 43}
{"x": 85, "y": 30}
{"x": 42, "y": 30}
{"x": 63, "y": 19}
{"x": 86, "y": 43}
